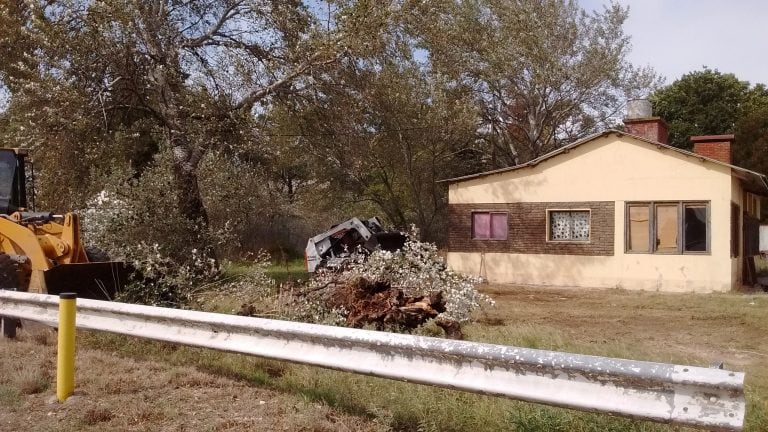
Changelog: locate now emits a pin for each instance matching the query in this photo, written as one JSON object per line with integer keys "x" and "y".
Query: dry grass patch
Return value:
{"x": 9, "y": 396}
{"x": 128, "y": 394}
{"x": 97, "y": 415}
{"x": 33, "y": 380}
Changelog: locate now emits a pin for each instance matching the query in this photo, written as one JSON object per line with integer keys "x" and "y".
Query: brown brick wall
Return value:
{"x": 714, "y": 150}
{"x": 653, "y": 128}
{"x": 527, "y": 225}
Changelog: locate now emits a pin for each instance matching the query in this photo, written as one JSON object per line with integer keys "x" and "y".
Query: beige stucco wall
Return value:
{"x": 616, "y": 169}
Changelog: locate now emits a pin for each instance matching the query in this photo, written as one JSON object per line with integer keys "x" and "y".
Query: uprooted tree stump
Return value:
{"x": 363, "y": 302}
{"x": 381, "y": 305}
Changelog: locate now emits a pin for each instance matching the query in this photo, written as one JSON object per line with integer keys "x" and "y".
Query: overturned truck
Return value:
{"x": 347, "y": 240}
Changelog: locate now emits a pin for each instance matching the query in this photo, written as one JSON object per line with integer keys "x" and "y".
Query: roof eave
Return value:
{"x": 763, "y": 179}
{"x": 533, "y": 162}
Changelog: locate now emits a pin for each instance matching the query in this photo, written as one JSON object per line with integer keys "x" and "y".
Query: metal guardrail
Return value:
{"x": 683, "y": 395}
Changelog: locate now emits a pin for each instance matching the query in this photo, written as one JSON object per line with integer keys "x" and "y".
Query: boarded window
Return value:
{"x": 569, "y": 225}
{"x": 666, "y": 228}
{"x": 639, "y": 228}
{"x": 489, "y": 225}
{"x": 674, "y": 227}
{"x": 695, "y": 228}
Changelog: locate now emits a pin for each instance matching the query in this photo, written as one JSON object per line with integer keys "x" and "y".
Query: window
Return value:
{"x": 667, "y": 227}
{"x": 639, "y": 228}
{"x": 568, "y": 225}
{"x": 489, "y": 225}
{"x": 695, "y": 227}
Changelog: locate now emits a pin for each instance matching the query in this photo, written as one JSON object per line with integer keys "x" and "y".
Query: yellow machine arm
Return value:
{"x": 40, "y": 242}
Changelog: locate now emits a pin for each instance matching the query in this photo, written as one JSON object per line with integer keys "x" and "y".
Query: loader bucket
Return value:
{"x": 98, "y": 280}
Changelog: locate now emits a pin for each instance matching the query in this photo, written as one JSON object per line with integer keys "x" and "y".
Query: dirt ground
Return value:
{"x": 698, "y": 329}
{"x": 115, "y": 393}
{"x": 701, "y": 323}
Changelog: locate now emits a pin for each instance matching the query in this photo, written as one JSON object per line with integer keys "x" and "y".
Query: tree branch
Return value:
{"x": 250, "y": 100}
{"x": 230, "y": 12}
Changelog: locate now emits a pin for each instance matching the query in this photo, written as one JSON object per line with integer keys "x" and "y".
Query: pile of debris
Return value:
{"x": 366, "y": 276}
{"x": 367, "y": 303}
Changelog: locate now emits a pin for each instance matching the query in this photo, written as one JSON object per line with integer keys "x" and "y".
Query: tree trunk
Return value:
{"x": 187, "y": 191}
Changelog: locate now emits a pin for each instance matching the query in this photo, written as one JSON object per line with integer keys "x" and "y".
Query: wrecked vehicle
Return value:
{"x": 343, "y": 242}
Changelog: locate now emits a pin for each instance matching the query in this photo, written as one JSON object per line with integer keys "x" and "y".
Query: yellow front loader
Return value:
{"x": 44, "y": 252}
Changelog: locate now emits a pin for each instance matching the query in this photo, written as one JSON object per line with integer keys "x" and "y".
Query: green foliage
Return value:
{"x": 288, "y": 271}
{"x": 709, "y": 102}
{"x": 751, "y": 145}
{"x": 703, "y": 102}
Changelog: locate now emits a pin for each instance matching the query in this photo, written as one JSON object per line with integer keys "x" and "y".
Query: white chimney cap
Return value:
{"x": 639, "y": 108}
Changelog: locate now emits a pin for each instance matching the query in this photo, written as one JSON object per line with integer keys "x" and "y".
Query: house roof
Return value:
{"x": 754, "y": 181}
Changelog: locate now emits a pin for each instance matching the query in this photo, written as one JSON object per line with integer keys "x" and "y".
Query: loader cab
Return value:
{"x": 13, "y": 189}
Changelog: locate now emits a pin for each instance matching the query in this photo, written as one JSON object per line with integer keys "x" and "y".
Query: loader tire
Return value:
{"x": 9, "y": 279}
{"x": 96, "y": 254}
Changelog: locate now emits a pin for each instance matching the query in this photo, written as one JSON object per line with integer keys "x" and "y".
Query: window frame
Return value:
{"x": 490, "y": 226}
{"x": 573, "y": 210}
{"x": 652, "y": 232}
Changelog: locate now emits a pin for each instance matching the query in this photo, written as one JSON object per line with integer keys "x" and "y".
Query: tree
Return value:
{"x": 380, "y": 142}
{"x": 751, "y": 144}
{"x": 708, "y": 102}
{"x": 702, "y": 102}
{"x": 545, "y": 72}
{"x": 179, "y": 77}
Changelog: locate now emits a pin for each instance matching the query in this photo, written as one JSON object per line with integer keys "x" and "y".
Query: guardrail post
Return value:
{"x": 65, "y": 367}
{"x": 9, "y": 324}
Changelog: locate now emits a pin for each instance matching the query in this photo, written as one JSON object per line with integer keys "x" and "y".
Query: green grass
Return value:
{"x": 287, "y": 271}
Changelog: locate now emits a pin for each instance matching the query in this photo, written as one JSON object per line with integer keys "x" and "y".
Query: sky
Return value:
{"x": 679, "y": 36}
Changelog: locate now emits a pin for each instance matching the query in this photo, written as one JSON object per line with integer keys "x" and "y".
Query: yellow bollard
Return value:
{"x": 65, "y": 370}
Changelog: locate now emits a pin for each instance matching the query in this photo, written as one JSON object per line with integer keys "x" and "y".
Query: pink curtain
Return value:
{"x": 481, "y": 225}
{"x": 499, "y": 226}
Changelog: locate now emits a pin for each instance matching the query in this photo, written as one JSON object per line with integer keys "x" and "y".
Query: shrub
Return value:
{"x": 163, "y": 281}
{"x": 139, "y": 223}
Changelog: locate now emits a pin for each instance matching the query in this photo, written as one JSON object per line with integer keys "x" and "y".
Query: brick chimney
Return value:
{"x": 640, "y": 122}
{"x": 716, "y": 147}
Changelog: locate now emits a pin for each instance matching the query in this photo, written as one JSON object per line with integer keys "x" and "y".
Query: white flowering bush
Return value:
{"x": 138, "y": 223}
{"x": 418, "y": 270}
{"x": 314, "y": 310}
{"x": 102, "y": 213}
{"x": 159, "y": 280}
